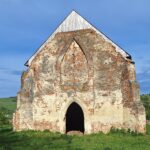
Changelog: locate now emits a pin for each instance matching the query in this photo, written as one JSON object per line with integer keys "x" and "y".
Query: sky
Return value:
{"x": 26, "y": 24}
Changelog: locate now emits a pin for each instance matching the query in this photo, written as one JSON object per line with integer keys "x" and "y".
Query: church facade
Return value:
{"x": 79, "y": 80}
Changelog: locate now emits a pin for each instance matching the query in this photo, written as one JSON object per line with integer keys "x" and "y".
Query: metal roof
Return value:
{"x": 75, "y": 22}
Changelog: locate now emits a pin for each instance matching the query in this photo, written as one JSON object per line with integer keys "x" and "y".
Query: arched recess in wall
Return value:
{"x": 74, "y": 69}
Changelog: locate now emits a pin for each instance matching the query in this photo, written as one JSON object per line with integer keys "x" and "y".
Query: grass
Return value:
{"x": 30, "y": 140}
{"x": 8, "y": 105}
{"x": 145, "y": 98}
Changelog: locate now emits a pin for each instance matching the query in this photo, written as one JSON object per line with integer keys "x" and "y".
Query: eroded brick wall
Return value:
{"x": 80, "y": 67}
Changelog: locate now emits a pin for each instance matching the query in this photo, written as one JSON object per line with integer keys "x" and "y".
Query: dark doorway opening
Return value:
{"x": 74, "y": 118}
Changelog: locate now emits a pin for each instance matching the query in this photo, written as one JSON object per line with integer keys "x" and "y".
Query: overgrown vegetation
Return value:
{"x": 30, "y": 140}
{"x": 146, "y": 101}
{"x": 7, "y": 107}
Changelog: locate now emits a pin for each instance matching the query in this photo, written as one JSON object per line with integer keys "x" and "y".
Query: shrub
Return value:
{"x": 4, "y": 116}
{"x": 146, "y": 102}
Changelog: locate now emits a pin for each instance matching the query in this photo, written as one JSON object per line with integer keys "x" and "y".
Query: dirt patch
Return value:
{"x": 75, "y": 133}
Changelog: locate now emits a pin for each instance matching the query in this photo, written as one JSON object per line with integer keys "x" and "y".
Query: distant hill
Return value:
{"x": 9, "y": 104}
{"x": 145, "y": 98}
{"x": 115, "y": 140}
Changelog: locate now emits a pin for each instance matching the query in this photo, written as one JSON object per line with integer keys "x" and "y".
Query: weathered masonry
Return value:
{"x": 79, "y": 80}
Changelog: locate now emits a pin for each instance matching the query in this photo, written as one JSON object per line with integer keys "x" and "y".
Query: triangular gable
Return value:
{"x": 75, "y": 22}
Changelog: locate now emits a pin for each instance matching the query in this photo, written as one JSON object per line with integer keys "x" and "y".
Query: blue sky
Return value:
{"x": 26, "y": 24}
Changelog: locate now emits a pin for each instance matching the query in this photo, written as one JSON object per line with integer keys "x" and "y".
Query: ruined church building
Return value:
{"x": 79, "y": 80}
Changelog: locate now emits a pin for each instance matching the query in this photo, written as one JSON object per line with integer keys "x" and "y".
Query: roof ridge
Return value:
{"x": 75, "y": 22}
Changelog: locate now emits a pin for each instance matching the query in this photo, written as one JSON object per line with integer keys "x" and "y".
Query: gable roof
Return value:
{"x": 75, "y": 22}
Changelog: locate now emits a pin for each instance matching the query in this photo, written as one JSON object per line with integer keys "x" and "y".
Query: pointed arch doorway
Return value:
{"x": 74, "y": 118}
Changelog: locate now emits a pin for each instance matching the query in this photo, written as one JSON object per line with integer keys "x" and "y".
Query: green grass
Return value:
{"x": 8, "y": 103}
{"x": 8, "y": 106}
{"x": 145, "y": 98}
{"x": 30, "y": 140}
